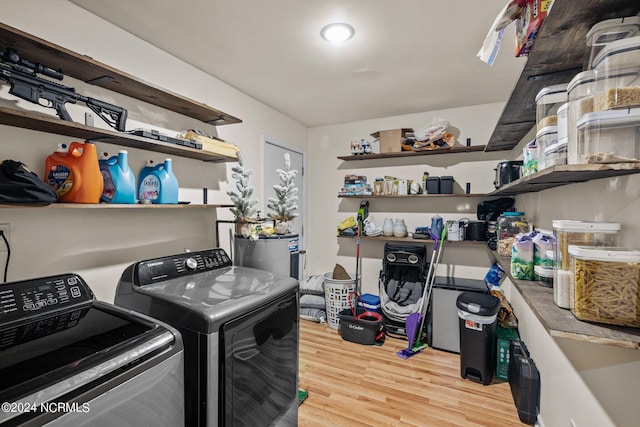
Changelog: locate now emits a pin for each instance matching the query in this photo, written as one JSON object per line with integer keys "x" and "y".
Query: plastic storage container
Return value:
{"x": 563, "y": 112}
{"x": 74, "y": 174}
{"x": 618, "y": 75}
{"x": 119, "y": 180}
{"x": 545, "y": 138}
{"x": 478, "y": 314}
{"x": 609, "y": 136}
{"x": 581, "y": 90}
{"x": 607, "y": 284}
{"x": 544, "y": 275}
{"x": 548, "y": 100}
{"x": 556, "y": 154}
{"x": 579, "y": 233}
{"x": 531, "y": 157}
{"x": 446, "y": 185}
{"x": 608, "y": 31}
{"x": 510, "y": 224}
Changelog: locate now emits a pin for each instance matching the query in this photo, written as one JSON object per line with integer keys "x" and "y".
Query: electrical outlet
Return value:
{"x": 5, "y": 231}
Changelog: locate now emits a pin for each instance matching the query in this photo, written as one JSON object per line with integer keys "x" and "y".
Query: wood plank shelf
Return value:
{"x": 560, "y": 322}
{"x": 411, "y": 196}
{"x": 557, "y": 176}
{"x": 115, "y": 206}
{"x": 85, "y": 68}
{"x": 52, "y": 124}
{"x": 451, "y": 150}
{"x": 412, "y": 240}
{"x": 557, "y": 55}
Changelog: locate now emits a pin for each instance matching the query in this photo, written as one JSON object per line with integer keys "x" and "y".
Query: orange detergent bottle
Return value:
{"x": 75, "y": 174}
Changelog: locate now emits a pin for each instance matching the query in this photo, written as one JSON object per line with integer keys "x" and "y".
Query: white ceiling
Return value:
{"x": 407, "y": 56}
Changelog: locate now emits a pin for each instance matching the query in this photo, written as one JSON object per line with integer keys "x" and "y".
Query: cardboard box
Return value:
{"x": 391, "y": 140}
{"x": 528, "y": 24}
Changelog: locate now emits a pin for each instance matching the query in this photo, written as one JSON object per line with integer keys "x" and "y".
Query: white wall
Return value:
{"x": 98, "y": 243}
{"x": 326, "y": 177}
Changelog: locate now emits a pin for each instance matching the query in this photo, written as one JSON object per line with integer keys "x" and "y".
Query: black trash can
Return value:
{"x": 477, "y": 315}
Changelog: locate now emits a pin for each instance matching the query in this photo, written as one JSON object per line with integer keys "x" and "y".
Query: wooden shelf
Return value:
{"x": 557, "y": 176}
{"x": 412, "y": 196}
{"x": 562, "y": 323}
{"x": 85, "y": 68}
{"x": 412, "y": 240}
{"x": 557, "y": 55}
{"x": 452, "y": 150}
{"x": 52, "y": 124}
{"x": 114, "y": 206}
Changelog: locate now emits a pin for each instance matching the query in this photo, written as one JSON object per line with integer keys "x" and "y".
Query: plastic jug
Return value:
{"x": 159, "y": 186}
{"x": 119, "y": 180}
{"x": 74, "y": 174}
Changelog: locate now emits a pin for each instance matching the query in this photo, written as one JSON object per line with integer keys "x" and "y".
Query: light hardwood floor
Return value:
{"x": 356, "y": 385}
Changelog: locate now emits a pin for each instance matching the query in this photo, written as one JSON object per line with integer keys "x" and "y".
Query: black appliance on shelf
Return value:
{"x": 507, "y": 172}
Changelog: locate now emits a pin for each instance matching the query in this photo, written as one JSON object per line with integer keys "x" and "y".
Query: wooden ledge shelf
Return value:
{"x": 113, "y": 206}
{"x": 557, "y": 176}
{"x": 562, "y": 323}
{"x": 52, "y": 124}
{"x": 451, "y": 150}
{"x": 412, "y": 240}
{"x": 411, "y": 196}
{"x": 88, "y": 70}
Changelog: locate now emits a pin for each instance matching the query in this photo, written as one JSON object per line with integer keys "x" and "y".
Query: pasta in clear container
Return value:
{"x": 607, "y": 284}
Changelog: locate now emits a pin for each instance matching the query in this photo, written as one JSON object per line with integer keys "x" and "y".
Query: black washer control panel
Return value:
{"x": 161, "y": 269}
{"x": 28, "y": 298}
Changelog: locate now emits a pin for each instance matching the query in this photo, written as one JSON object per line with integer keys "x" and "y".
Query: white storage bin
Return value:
{"x": 548, "y": 100}
{"x": 618, "y": 75}
{"x": 545, "y": 137}
{"x": 609, "y": 31}
{"x": 581, "y": 90}
{"x": 567, "y": 233}
{"x": 609, "y": 136}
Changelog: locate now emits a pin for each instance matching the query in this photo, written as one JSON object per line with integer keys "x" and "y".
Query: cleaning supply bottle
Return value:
{"x": 144, "y": 172}
{"x": 160, "y": 186}
{"x": 119, "y": 180}
{"x": 74, "y": 174}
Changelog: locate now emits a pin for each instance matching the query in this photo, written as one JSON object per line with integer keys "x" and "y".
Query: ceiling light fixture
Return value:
{"x": 337, "y": 32}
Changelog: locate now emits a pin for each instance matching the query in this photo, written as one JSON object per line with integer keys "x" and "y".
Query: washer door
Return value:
{"x": 261, "y": 365}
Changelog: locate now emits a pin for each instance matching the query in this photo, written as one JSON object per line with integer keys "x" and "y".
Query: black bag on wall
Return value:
{"x": 19, "y": 186}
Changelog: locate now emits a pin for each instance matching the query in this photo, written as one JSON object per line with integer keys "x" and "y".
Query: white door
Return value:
{"x": 274, "y": 152}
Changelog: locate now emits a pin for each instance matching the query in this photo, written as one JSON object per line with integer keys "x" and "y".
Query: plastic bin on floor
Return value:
{"x": 336, "y": 295}
{"x": 478, "y": 314}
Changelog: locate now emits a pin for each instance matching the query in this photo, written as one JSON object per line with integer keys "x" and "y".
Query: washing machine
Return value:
{"x": 240, "y": 331}
{"x": 69, "y": 360}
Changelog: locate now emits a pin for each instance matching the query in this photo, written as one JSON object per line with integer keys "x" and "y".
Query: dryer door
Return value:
{"x": 261, "y": 366}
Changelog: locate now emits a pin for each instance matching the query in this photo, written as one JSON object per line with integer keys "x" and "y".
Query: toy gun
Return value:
{"x": 22, "y": 76}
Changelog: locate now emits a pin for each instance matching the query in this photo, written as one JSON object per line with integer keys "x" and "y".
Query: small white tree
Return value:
{"x": 284, "y": 204}
{"x": 242, "y": 199}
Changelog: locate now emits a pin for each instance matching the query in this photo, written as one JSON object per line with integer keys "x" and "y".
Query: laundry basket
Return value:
{"x": 336, "y": 296}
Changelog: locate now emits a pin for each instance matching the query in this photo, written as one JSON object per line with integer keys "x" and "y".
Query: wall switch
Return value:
{"x": 5, "y": 231}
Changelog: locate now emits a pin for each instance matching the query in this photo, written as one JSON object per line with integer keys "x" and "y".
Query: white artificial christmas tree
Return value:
{"x": 284, "y": 204}
{"x": 242, "y": 199}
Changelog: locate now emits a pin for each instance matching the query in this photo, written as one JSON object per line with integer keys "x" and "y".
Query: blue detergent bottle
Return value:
{"x": 160, "y": 186}
{"x": 119, "y": 180}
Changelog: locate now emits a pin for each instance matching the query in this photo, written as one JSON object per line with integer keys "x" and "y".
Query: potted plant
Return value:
{"x": 284, "y": 204}
{"x": 242, "y": 198}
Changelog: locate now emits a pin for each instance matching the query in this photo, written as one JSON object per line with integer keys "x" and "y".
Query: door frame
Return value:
{"x": 266, "y": 139}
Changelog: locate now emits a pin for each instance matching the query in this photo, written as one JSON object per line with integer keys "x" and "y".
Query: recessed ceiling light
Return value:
{"x": 337, "y": 33}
